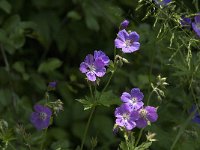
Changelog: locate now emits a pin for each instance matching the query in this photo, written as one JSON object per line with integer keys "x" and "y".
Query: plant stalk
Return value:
{"x": 87, "y": 127}
{"x": 139, "y": 137}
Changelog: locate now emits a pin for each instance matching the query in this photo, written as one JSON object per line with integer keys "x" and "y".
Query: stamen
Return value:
{"x": 92, "y": 68}
{"x": 198, "y": 25}
{"x": 43, "y": 115}
{"x": 143, "y": 113}
{"x": 128, "y": 43}
{"x": 134, "y": 99}
{"x": 125, "y": 116}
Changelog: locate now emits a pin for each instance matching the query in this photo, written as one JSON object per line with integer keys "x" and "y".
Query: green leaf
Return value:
{"x": 47, "y": 27}
{"x": 123, "y": 146}
{"x": 74, "y": 15}
{"x": 12, "y": 36}
{"x": 5, "y": 6}
{"x": 107, "y": 124}
{"x": 92, "y": 23}
{"x": 19, "y": 66}
{"x": 11, "y": 23}
{"x": 50, "y": 65}
{"x": 40, "y": 84}
{"x": 3, "y": 36}
{"x": 108, "y": 98}
{"x": 87, "y": 104}
{"x": 60, "y": 145}
{"x": 143, "y": 146}
{"x": 6, "y": 98}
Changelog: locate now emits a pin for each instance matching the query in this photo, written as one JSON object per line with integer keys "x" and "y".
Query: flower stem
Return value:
{"x": 87, "y": 127}
{"x": 107, "y": 82}
{"x": 150, "y": 73}
{"x": 126, "y": 136}
{"x": 43, "y": 139}
{"x": 195, "y": 101}
{"x": 139, "y": 137}
{"x": 90, "y": 87}
{"x": 112, "y": 73}
{"x": 149, "y": 97}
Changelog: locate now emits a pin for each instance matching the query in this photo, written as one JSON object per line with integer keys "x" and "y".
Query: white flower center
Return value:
{"x": 198, "y": 25}
{"x": 134, "y": 100}
{"x": 126, "y": 116}
{"x": 128, "y": 43}
{"x": 43, "y": 115}
{"x": 143, "y": 113}
{"x": 92, "y": 68}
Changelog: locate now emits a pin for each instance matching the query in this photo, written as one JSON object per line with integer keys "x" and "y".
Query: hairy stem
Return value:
{"x": 90, "y": 87}
{"x": 108, "y": 82}
{"x": 87, "y": 127}
{"x": 139, "y": 137}
{"x": 150, "y": 73}
{"x": 149, "y": 97}
{"x": 43, "y": 139}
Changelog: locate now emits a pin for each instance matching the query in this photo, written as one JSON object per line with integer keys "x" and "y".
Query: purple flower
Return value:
{"x": 124, "y": 24}
{"x": 134, "y": 99}
{"x": 94, "y": 66}
{"x": 162, "y": 2}
{"x": 147, "y": 114}
{"x": 196, "y": 25}
{"x": 125, "y": 117}
{"x": 196, "y": 117}
{"x": 128, "y": 42}
{"x": 52, "y": 84}
{"x": 186, "y": 22}
{"x": 102, "y": 56}
{"x": 41, "y": 117}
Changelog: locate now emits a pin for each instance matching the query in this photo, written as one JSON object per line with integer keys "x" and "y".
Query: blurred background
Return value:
{"x": 46, "y": 40}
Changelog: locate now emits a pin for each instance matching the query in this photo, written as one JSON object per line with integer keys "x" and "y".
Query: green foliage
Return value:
{"x": 144, "y": 146}
{"x": 50, "y": 65}
{"x": 108, "y": 99}
{"x": 5, "y": 6}
{"x": 87, "y": 104}
{"x": 105, "y": 99}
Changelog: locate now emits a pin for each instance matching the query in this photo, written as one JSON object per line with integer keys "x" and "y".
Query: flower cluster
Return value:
{"x": 188, "y": 23}
{"x": 132, "y": 113}
{"x": 94, "y": 65}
